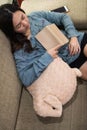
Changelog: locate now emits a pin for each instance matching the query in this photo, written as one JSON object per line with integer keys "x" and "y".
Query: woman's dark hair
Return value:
{"x": 6, "y": 25}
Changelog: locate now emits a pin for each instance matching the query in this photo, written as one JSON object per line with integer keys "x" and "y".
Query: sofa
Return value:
{"x": 16, "y": 105}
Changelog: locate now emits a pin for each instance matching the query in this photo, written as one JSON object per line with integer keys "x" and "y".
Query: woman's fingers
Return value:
{"x": 54, "y": 51}
{"x": 57, "y": 47}
{"x": 74, "y": 48}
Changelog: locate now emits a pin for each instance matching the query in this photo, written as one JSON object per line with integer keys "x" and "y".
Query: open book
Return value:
{"x": 50, "y": 36}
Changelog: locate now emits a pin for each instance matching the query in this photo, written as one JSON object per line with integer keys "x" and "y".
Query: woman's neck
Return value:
{"x": 28, "y": 33}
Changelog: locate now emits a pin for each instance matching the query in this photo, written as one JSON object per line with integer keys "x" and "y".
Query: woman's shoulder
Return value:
{"x": 18, "y": 53}
{"x": 37, "y": 13}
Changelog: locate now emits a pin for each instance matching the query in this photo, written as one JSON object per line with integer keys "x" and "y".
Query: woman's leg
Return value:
{"x": 81, "y": 61}
{"x": 83, "y": 68}
{"x": 85, "y": 50}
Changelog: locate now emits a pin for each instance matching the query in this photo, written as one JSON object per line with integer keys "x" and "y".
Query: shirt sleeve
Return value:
{"x": 31, "y": 69}
{"x": 59, "y": 19}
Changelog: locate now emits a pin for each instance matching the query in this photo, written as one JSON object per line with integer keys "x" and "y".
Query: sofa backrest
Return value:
{"x": 5, "y": 1}
{"x": 78, "y": 9}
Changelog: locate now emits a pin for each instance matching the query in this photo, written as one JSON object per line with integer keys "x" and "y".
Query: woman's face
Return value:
{"x": 21, "y": 22}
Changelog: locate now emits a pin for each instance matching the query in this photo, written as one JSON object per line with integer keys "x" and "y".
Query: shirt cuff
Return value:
{"x": 46, "y": 59}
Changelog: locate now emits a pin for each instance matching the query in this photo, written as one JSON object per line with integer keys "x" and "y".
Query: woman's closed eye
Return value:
{"x": 19, "y": 24}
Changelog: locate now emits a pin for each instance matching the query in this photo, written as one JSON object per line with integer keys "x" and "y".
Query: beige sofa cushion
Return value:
{"x": 5, "y": 1}
{"x": 10, "y": 87}
{"x": 78, "y": 9}
{"x": 74, "y": 116}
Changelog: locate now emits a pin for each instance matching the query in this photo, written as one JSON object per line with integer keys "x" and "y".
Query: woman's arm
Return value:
{"x": 74, "y": 46}
{"x": 30, "y": 67}
{"x": 69, "y": 28}
{"x": 59, "y": 19}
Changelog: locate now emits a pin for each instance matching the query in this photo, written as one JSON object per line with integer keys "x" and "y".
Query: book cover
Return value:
{"x": 50, "y": 36}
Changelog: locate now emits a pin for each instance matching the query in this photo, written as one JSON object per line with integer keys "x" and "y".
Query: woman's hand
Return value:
{"x": 74, "y": 46}
{"x": 54, "y": 51}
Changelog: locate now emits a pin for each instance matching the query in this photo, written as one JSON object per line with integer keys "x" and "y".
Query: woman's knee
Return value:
{"x": 83, "y": 69}
{"x": 85, "y": 50}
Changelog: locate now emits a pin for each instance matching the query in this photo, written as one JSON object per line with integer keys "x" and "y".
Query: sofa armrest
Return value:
{"x": 10, "y": 86}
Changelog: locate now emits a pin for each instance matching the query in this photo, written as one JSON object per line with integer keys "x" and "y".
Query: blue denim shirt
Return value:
{"x": 31, "y": 65}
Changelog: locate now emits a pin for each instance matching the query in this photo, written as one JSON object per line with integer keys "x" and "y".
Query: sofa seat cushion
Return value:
{"x": 74, "y": 116}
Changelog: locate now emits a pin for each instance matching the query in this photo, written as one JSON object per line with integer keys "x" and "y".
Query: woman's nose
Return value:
{"x": 24, "y": 22}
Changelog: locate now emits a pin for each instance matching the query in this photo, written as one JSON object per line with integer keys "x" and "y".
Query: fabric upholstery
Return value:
{"x": 78, "y": 9}
{"x": 5, "y": 1}
{"x": 16, "y": 106}
{"x": 10, "y": 87}
{"x": 74, "y": 115}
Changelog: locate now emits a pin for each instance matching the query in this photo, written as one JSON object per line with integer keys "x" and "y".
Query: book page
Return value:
{"x": 50, "y": 36}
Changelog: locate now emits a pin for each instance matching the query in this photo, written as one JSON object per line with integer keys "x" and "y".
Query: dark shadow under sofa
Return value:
{"x": 16, "y": 106}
